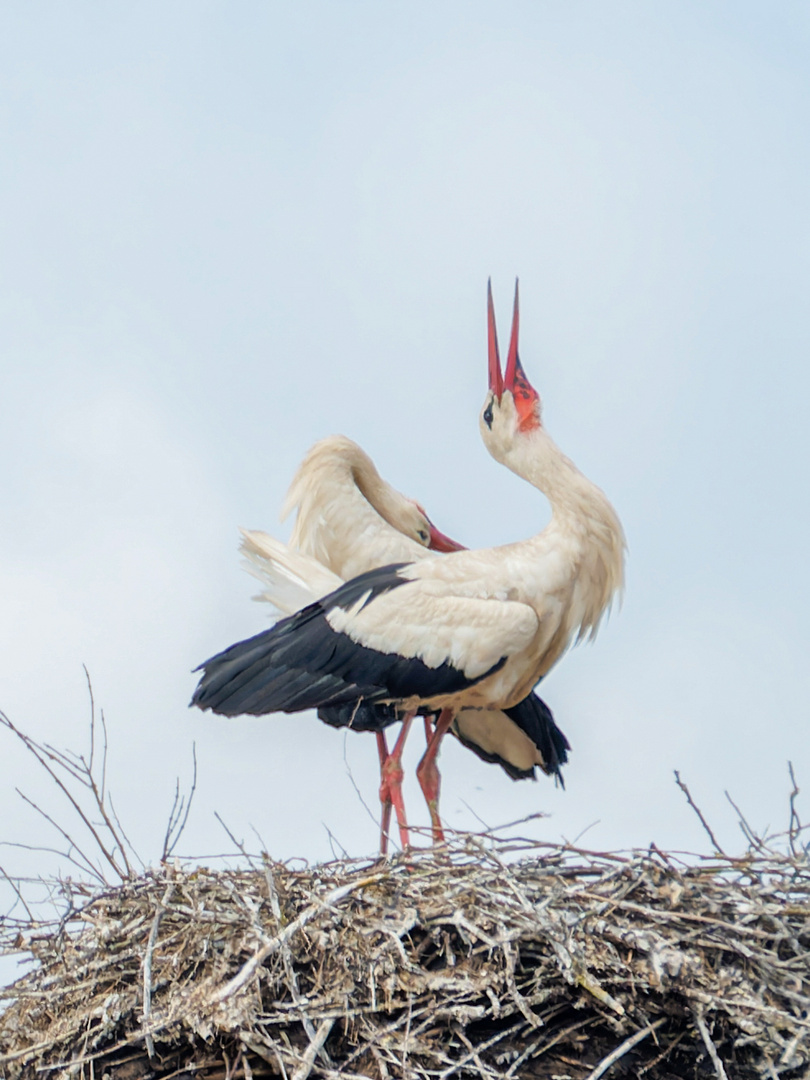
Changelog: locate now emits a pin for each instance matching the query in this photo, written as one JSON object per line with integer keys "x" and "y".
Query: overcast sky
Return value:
{"x": 227, "y": 230}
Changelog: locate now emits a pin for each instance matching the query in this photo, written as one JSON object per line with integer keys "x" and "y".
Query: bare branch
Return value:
{"x": 177, "y": 819}
{"x": 16, "y": 890}
{"x": 694, "y": 806}
{"x": 104, "y": 757}
{"x": 749, "y": 834}
{"x": 707, "y": 1040}
{"x": 623, "y": 1049}
{"x": 147, "y": 963}
{"x": 795, "y": 824}
{"x": 125, "y": 840}
{"x": 43, "y": 756}
{"x": 240, "y": 847}
{"x": 92, "y": 716}
{"x": 87, "y": 863}
{"x": 311, "y": 1052}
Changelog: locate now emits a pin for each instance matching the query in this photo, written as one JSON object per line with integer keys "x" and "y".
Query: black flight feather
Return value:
{"x": 303, "y": 663}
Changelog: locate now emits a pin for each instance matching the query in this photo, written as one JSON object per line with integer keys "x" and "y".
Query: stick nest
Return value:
{"x": 484, "y": 958}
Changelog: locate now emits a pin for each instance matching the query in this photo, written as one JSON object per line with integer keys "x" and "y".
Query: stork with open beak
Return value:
{"x": 355, "y": 521}
{"x": 473, "y": 629}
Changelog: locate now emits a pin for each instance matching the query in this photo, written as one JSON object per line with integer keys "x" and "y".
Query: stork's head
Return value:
{"x": 511, "y": 411}
{"x": 426, "y": 533}
{"x": 410, "y": 519}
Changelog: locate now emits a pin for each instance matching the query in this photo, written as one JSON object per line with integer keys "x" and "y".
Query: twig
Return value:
{"x": 518, "y": 998}
{"x": 240, "y": 847}
{"x": 534, "y": 1047}
{"x": 624, "y": 1048}
{"x": 749, "y": 834}
{"x": 696, "y": 808}
{"x": 17, "y": 892}
{"x": 177, "y": 819}
{"x": 795, "y": 826}
{"x": 87, "y": 865}
{"x": 487, "y": 828}
{"x": 41, "y": 753}
{"x": 15, "y": 1055}
{"x": 660, "y": 1057}
{"x": 271, "y": 1057}
{"x": 104, "y": 756}
{"x": 246, "y": 1066}
{"x": 147, "y": 964}
{"x": 92, "y": 716}
{"x": 311, "y": 1052}
{"x": 334, "y": 842}
{"x": 474, "y": 1052}
{"x": 350, "y": 775}
{"x": 707, "y": 1040}
{"x": 125, "y": 838}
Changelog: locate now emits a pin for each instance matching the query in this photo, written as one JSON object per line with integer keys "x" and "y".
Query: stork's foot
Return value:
{"x": 427, "y": 771}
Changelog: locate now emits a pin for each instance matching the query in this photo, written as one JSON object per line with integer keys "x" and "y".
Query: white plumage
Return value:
{"x": 471, "y": 629}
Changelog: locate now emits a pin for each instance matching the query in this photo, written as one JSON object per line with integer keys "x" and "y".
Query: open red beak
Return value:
{"x": 512, "y": 361}
{"x": 440, "y": 542}
{"x": 514, "y": 378}
{"x": 495, "y": 378}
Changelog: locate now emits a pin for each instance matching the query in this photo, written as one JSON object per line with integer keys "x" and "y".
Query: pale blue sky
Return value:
{"x": 228, "y": 230}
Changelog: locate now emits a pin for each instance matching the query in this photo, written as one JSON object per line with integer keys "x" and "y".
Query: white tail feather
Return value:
{"x": 291, "y": 580}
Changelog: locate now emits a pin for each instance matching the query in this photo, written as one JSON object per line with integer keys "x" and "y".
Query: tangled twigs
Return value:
{"x": 271, "y": 945}
{"x": 494, "y": 958}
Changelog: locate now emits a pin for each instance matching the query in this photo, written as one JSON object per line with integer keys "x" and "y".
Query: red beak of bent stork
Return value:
{"x": 440, "y": 542}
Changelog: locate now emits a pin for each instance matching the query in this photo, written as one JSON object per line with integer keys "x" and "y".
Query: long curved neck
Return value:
{"x": 337, "y": 481}
{"x": 573, "y": 497}
{"x": 375, "y": 490}
{"x": 582, "y": 514}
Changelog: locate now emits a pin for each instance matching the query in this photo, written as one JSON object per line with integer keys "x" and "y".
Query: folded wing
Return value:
{"x": 379, "y": 637}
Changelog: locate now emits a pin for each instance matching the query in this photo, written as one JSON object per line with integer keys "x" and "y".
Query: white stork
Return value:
{"x": 474, "y": 629}
{"x": 348, "y": 520}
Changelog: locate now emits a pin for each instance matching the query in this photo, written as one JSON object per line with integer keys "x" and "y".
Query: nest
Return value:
{"x": 484, "y": 958}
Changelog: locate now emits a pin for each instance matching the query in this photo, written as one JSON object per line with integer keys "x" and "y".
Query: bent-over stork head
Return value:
{"x": 409, "y": 517}
{"x": 426, "y": 533}
{"x": 512, "y": 407}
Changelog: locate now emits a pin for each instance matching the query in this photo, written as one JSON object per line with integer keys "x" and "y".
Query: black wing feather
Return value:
{"x": 302, "y": 663}
{"x": 535, "y": 719}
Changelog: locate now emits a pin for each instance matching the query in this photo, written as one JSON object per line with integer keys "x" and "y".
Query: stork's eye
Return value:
{"x": 423, "y": 536}
{"x": 488, "y": 416}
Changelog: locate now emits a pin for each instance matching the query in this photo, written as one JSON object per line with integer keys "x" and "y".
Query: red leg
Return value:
{"x": 427, "y": 772}
{"x": 391, "y": 785}
{"x": 385, "y": 798}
